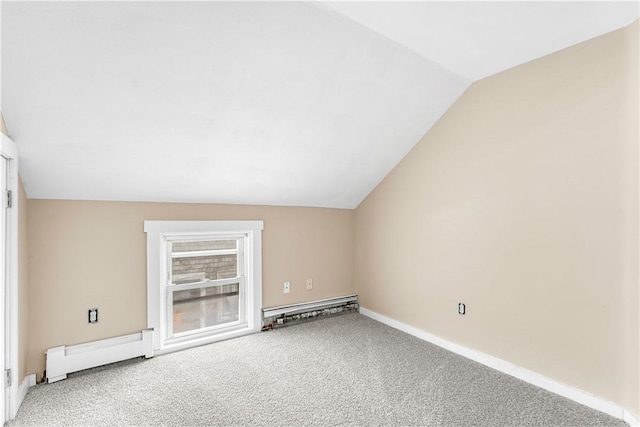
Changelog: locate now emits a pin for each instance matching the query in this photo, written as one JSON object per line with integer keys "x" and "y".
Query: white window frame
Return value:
{"x": 157, "y": 275}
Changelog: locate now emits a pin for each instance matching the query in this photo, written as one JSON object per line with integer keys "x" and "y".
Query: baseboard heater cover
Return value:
{"x": 278, "y": 315}
{"x": 66, "y": 359}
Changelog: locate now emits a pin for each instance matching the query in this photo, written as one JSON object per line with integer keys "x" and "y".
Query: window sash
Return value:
{"x": 180, "y": 336}
{"x": 170, "y": 288}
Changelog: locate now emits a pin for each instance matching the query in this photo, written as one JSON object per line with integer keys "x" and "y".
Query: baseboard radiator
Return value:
{"x": 273, "y": 317}
{"x": 66, "y": 359}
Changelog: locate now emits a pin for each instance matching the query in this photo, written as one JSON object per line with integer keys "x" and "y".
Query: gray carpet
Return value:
{"x": 342, "y": 370}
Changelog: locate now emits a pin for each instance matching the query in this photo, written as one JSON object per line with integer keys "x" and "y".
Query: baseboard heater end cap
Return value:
{"x": 147, "y": 343}
{"x": 55, "y": 371}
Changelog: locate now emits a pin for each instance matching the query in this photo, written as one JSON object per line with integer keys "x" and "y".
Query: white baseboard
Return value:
{"x": 630, "y": 419}
{"x": 538, "y": 380}
{"x": 28, "y": 382}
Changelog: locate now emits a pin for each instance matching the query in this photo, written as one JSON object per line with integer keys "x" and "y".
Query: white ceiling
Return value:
{"x": 480, "y": 38}
{"x": 279, "y": 103}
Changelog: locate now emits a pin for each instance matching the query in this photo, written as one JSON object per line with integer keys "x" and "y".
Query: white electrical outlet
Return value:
{"x": 93, "y": 315}
{"x": 309, "y": 283}
{"x": 287, "y": 287}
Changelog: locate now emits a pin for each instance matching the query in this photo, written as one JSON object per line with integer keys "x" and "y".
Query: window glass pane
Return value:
{"x": 204, "y": 307}
{"x": 197, "y": 269}
{"x": 206, "y": 245}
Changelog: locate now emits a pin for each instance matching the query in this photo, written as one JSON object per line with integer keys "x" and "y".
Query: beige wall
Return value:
{"x": 522, "y": 202}
{"x": 23, "y": 282}
{"x": 93, "y": 254}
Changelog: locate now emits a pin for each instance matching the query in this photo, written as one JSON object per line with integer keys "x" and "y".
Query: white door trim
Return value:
{"x": 9, "y": 151}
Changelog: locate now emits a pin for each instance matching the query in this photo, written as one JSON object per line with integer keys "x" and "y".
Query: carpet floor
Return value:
{"x": 340, "y": 370}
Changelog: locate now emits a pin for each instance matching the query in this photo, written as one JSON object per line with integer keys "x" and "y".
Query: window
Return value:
{"x": 206, "y": 285}
{"x": 203, "y": 281}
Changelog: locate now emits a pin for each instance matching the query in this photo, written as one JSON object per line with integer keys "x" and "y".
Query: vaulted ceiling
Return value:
{"x": 278, "y": 103}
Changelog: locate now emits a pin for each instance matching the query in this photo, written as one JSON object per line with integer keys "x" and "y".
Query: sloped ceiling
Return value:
{"x": 480, "y": 38}
{"x": 278, "y": 103}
